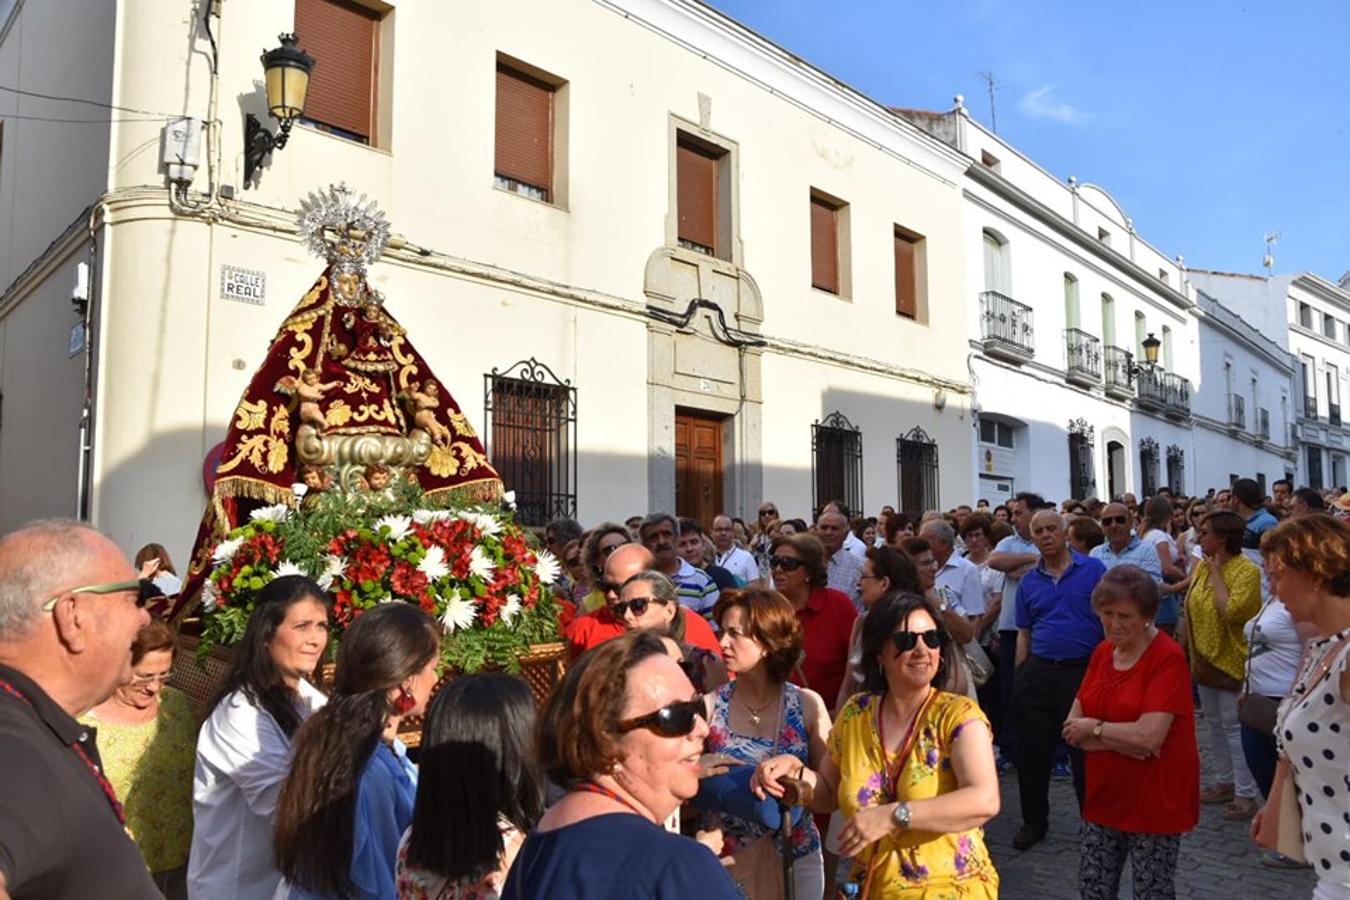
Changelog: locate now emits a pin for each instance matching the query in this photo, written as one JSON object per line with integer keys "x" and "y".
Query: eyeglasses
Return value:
{"x": 672, "y": 720}
{"x": 606, "y": 551}
{"x": 638, "y": 604}
{"x": 1115, "y": 520}
{"x": 767, "y": 512}
{"x": 141, "y": 680}
{"x": 786, "y": 563}
{"x": 906, "y": 641}
{"x": 573, "y": 562}
{"x": 871, "y": 577}
{"x": 145, "y": 589}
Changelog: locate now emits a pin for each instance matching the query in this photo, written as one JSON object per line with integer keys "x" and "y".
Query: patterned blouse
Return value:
{"x": 792, "y": 738}
{"x": 1218, "y": 637}
{"x": 912, "y": 863}
{"x": 150, "y": 767}
{"x": 418, "y": 884}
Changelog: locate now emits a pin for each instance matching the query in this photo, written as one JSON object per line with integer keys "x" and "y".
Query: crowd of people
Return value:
{"x": 822, "y": 706}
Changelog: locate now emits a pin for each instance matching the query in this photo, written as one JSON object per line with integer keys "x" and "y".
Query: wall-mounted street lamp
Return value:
{"x": 1150, "y": 345}
{"x": 286, "y": 71}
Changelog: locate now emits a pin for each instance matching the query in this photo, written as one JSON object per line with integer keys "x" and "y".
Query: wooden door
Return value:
{"x": 698, "y": 467}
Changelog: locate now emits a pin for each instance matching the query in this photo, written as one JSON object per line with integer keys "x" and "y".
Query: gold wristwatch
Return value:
{"x": 1097, "y": 729}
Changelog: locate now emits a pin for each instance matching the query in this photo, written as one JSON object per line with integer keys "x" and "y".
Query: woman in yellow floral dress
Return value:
{"x": 147, "y": 737}
{"x": 910, "y": 767}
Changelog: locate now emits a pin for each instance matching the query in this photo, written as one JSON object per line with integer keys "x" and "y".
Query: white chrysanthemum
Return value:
{"x": 433, "y": 564}
{"x": 209, "y": 598}
{"x": 333, "y": 567}
{"x": 225, "y": 550}
{"x": 510, "y": 609}
{"x": 278, "y": 512}
{"x": 484, "y": 522}
{"x": 427, "y": 516}
{"x": 288, "y": 568}
{"x": 398, "y": 526}
{"x": 480, "y": 565}
{"x": 546, "y": 567}
{"x": 459, "y": 613}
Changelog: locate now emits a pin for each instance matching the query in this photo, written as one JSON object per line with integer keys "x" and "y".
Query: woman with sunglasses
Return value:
{"x": 601, "y": 541}
{"x": 910, "y": 766}
{"x": 797, "y": 563}
{"x": 349, "y": 795}
{"x": 244, "y": 747}
{"x": 761, "y": 715}
{"x": 147, "y": 736}
{"x": 623, "y": 733}
{"x": 649, "y": 600}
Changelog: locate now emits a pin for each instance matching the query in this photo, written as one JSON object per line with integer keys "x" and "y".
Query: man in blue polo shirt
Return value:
{"x": 1248, "y": 502}
{"x": 1057, "y": 631}
{"x": 1122, "y": 546}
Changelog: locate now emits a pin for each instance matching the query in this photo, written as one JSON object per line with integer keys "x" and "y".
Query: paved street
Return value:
{"x": 1217, "y": 859}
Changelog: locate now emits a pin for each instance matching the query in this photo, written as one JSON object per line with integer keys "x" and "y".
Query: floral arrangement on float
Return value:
{"x": 472, "y": 568}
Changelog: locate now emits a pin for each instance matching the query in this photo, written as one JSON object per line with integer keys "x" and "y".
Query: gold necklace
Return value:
{"x": 754, "y": 713}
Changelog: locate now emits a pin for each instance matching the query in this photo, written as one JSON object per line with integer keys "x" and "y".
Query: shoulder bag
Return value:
{"x": 1256, "y": 711}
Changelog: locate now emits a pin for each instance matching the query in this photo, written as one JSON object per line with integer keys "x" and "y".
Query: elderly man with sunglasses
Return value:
{"x": 70, "y": 608}
{"x": 1123, "y": 547}
{"x": 606, "y": 623}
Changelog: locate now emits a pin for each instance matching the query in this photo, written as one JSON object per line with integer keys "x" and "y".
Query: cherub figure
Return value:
{"x": 316, "y": 478}
{"x": 309, "y": 392}
{"x": 377, "y": 477}
{"x": 426, "y": 400}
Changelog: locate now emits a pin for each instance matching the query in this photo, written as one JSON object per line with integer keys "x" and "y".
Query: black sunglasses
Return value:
{"x": 1115, "y": 520}
{"x": 639, "y": 605}
{"x": 906, "y": 641}
{"x": 672, "y": 720}
{"x": 768, "y": 512}
{"x": 786, "y": 563}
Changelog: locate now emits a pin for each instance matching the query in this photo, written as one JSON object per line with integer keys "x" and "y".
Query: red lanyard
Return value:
{"x": 103, "y": 782}
{"x": 892, "y": 777}
{"x": 593, "y": 788}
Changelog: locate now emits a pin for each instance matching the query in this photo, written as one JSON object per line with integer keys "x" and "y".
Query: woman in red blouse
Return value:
{"x": 797, "y": 563}
{"x": 1134, "y": 719}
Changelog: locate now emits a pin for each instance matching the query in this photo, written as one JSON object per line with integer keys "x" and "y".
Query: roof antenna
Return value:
{"x": 993, "y": 87}
{"x": 1272, "y": 238}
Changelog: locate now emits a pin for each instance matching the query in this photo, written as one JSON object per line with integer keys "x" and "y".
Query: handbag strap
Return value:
{"x": 1256, "y": 627}
{"x": 1305, "y": 686}
{"x": 893, "y": 778}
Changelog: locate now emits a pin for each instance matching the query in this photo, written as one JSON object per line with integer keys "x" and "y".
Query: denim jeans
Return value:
{"x": 1259, "y": 751}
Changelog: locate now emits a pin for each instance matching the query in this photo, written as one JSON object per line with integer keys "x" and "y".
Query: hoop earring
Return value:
{"x": 404, "y": 701}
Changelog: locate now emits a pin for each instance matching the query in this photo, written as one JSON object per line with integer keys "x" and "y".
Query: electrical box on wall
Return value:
{"x": 182, "y": 149}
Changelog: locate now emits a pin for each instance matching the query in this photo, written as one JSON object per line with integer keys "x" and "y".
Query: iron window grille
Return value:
{"x": 1082, "y": 480}
{"x": 916, "y": 457}
{"x": 836, "y": 462}
{"x": 1176, "y": 470}
{"x": 1148, "y": 466}
{"x": 531, "y": 427}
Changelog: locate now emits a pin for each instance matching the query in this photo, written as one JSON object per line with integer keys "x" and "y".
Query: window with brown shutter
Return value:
{"x": 524, "y": 158}
{"x": 343, "y": 39}
{"x": 696, "y": 197}
{"x": 824, "y": 245}
{"x": 906, "y": 275}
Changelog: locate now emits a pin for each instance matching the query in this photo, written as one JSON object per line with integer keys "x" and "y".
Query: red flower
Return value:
{"x": 407, "y": 581}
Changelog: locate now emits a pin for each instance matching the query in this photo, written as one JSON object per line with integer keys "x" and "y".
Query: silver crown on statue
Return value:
{"x": 348, "y": 231}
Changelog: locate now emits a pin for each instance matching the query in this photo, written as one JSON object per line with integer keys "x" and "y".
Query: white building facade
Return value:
{"x": 735, "y": 278}
{"x": 1062, "y": 295}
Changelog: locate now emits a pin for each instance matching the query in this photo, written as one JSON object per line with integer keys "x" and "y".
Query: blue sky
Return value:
{"x": 1210, "y": 122}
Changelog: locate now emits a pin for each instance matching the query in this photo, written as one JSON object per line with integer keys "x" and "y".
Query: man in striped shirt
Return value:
{"x": 659, "y": 533}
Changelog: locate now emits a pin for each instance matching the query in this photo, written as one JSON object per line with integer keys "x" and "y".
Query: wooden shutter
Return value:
{"x": 342, "y": 39}
{"x": 696, "y": 195}
{"x": 524, "y": 129}
{"x": 824, "y": 246}
{"x": 906, "y": 276}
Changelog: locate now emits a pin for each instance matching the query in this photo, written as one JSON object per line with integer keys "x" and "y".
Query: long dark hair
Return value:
{"x": 252, "y": 671}
{"x": 316, "y": 810}
{"x": 888, "y": 614}
{"x": 477, "y": 764}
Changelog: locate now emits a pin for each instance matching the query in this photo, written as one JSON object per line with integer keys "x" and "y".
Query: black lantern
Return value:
{"x": 1151, "y": 345}
{"x": 286, "y": 72}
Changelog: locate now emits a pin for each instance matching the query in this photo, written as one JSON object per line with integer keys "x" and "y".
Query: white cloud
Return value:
{"x": 1039, "y": 104}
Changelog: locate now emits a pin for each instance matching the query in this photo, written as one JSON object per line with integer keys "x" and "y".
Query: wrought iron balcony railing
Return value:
{"x": 1083, "y": 357}
{"x": 1334, "y": 413}
{"x": 1237, "y": 412}
{"x": 1118, "y": 364}
{"x": 1006, "y": 326}
{"x": 1178, "y": 395}
{"x": 1263, "y": 424}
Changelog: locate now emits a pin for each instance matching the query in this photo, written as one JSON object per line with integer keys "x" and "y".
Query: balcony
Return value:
{"x": 1237, "y": 413}
{"x": 1007, "y": 327}
{"x": 1118, "y": 383}
{"x": 1263, "y": 424}
{"x": 1164, "y": 392}
{"x": 1334, "y": 413}
{"x": 1178, "y": 396}
{"x": 1083, "y": 357}
{"x": 1310, "y": 407}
